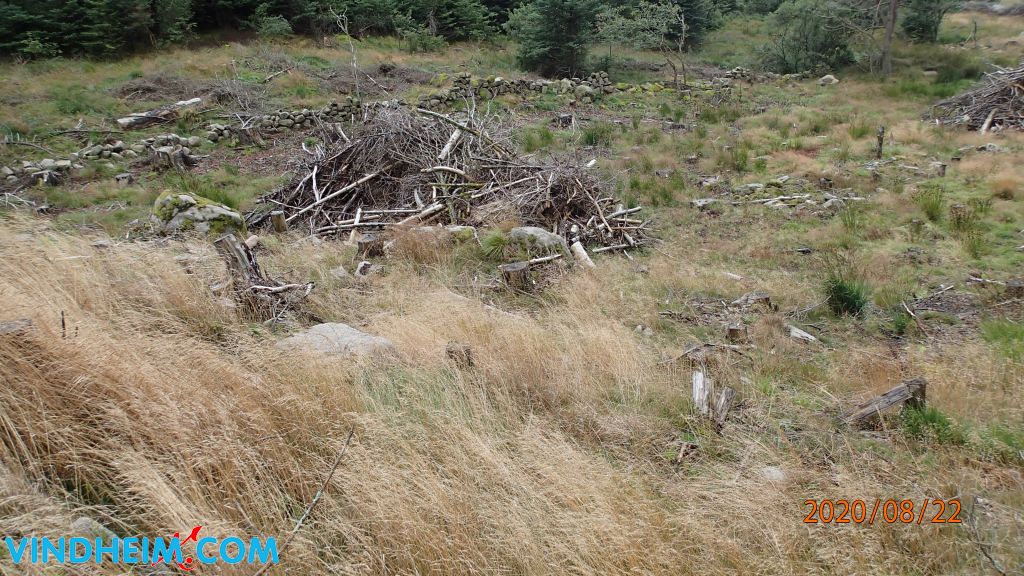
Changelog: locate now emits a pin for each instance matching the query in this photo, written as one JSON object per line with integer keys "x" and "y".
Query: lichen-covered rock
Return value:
{"x": 181, "y": 212}
{"x": 337, "y": 339}
{"x": 538, "y": 239}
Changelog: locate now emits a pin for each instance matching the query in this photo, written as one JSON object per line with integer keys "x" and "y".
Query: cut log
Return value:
{"x": 160, "y": 115}
{"x": 419, "y": 217}
{"x": 799, "y": 334}
{"x": 516, "y": 275}
{"x": 580, "y": 253}
{"x": 910, "y": 392}
{"x": 988, "y": 121}
{"x": 174, "y": 157}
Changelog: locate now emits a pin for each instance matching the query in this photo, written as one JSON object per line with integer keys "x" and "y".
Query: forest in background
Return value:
{"x": 553, "y": 35}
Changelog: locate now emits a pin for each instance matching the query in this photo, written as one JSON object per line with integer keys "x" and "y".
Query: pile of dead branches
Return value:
{"x": 996, "y": 103}
{"x": 417, "y": 167}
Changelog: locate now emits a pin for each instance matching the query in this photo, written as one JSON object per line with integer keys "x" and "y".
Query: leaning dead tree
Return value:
{"x": 996, "y": 103}
{"x": 407, "y": 168}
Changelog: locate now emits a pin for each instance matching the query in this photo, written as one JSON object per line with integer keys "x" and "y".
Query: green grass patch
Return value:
{"x": 931, "y": 425}
{"x": 1006, "y": 336}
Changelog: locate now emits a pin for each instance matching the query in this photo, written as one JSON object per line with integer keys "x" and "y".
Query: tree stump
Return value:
{"x": 370, "y": 246}
{"x": 460, "y": 353}
{"x": 277, "y": 220}
{"x": 736, "y": 332}
{"x": 1015, "y": 288}
{"x": 910, "y": 393}
{"x": 516, "y": 275}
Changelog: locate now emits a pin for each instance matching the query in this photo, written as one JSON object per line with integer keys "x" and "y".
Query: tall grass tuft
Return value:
{"x": 931, "y": 199}
{"x": 846, "y": 291}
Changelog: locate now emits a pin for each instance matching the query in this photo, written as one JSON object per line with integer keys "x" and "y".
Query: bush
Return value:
{"x": 271, "y": 26}
{"x": 805, "y": 40}
{"x": 598, "y": 134}
{"x": 846, "y": 296}
{"x": 923, "y": 18}
{"x": 760, "y": 6}
{"x": 419, "y": 39}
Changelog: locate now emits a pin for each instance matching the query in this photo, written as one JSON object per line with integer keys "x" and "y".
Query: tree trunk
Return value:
{"x": 890, "y": 31}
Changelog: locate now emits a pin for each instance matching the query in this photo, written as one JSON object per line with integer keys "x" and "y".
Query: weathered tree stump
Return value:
{"x": 1015, "y": 288}
{"x": 460, "y": 353}
{"x": 516, "y": 275}
{"x": 736, "y": 332}
{"x": 278, "y": 221}
{"x": 370, "y": 246}
{"x": 910, "y": 392}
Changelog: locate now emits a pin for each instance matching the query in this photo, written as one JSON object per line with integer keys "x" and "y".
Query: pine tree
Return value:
{"x": 554, "y": 35}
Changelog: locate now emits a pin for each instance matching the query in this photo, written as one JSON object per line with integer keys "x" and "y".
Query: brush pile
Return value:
{"x": 997, "y": 103}
{"x": 417, "y": 168}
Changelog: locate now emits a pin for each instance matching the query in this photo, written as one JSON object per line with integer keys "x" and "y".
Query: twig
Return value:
{"x": 23, "y": 143}
{"x": 312, "y": 504}
{"x": 972, "y": 523}
{"x": 276, "y": 74}
{"x": 366, "y": 178}
{"x": 916, "y": 319}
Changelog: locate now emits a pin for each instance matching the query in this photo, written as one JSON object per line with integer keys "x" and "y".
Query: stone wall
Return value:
{"x": 464, "y": 88}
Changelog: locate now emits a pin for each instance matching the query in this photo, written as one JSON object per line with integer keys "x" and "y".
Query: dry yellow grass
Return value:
{"x": 160, "y": 410}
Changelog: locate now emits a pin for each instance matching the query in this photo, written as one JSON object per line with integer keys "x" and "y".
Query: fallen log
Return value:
{"x": 160, "y": 115}
{"x": 910, "y": 392}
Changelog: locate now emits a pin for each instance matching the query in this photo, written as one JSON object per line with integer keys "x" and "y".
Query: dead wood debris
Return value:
{"x": 996, "y": 103}
{"x": 412, "y": 168}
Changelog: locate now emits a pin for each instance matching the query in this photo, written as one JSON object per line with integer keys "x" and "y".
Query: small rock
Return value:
{"x": 91, "y": 529}
{"x": 367, "y": 268}
{"x": 773, "y": 474}
{"x": 645, "y": 331}
{"x": 337, "y": 339}
{"x": 340, "y": 273}
{"x": 15, "y": 327}
{"x": 827, "y": 80}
